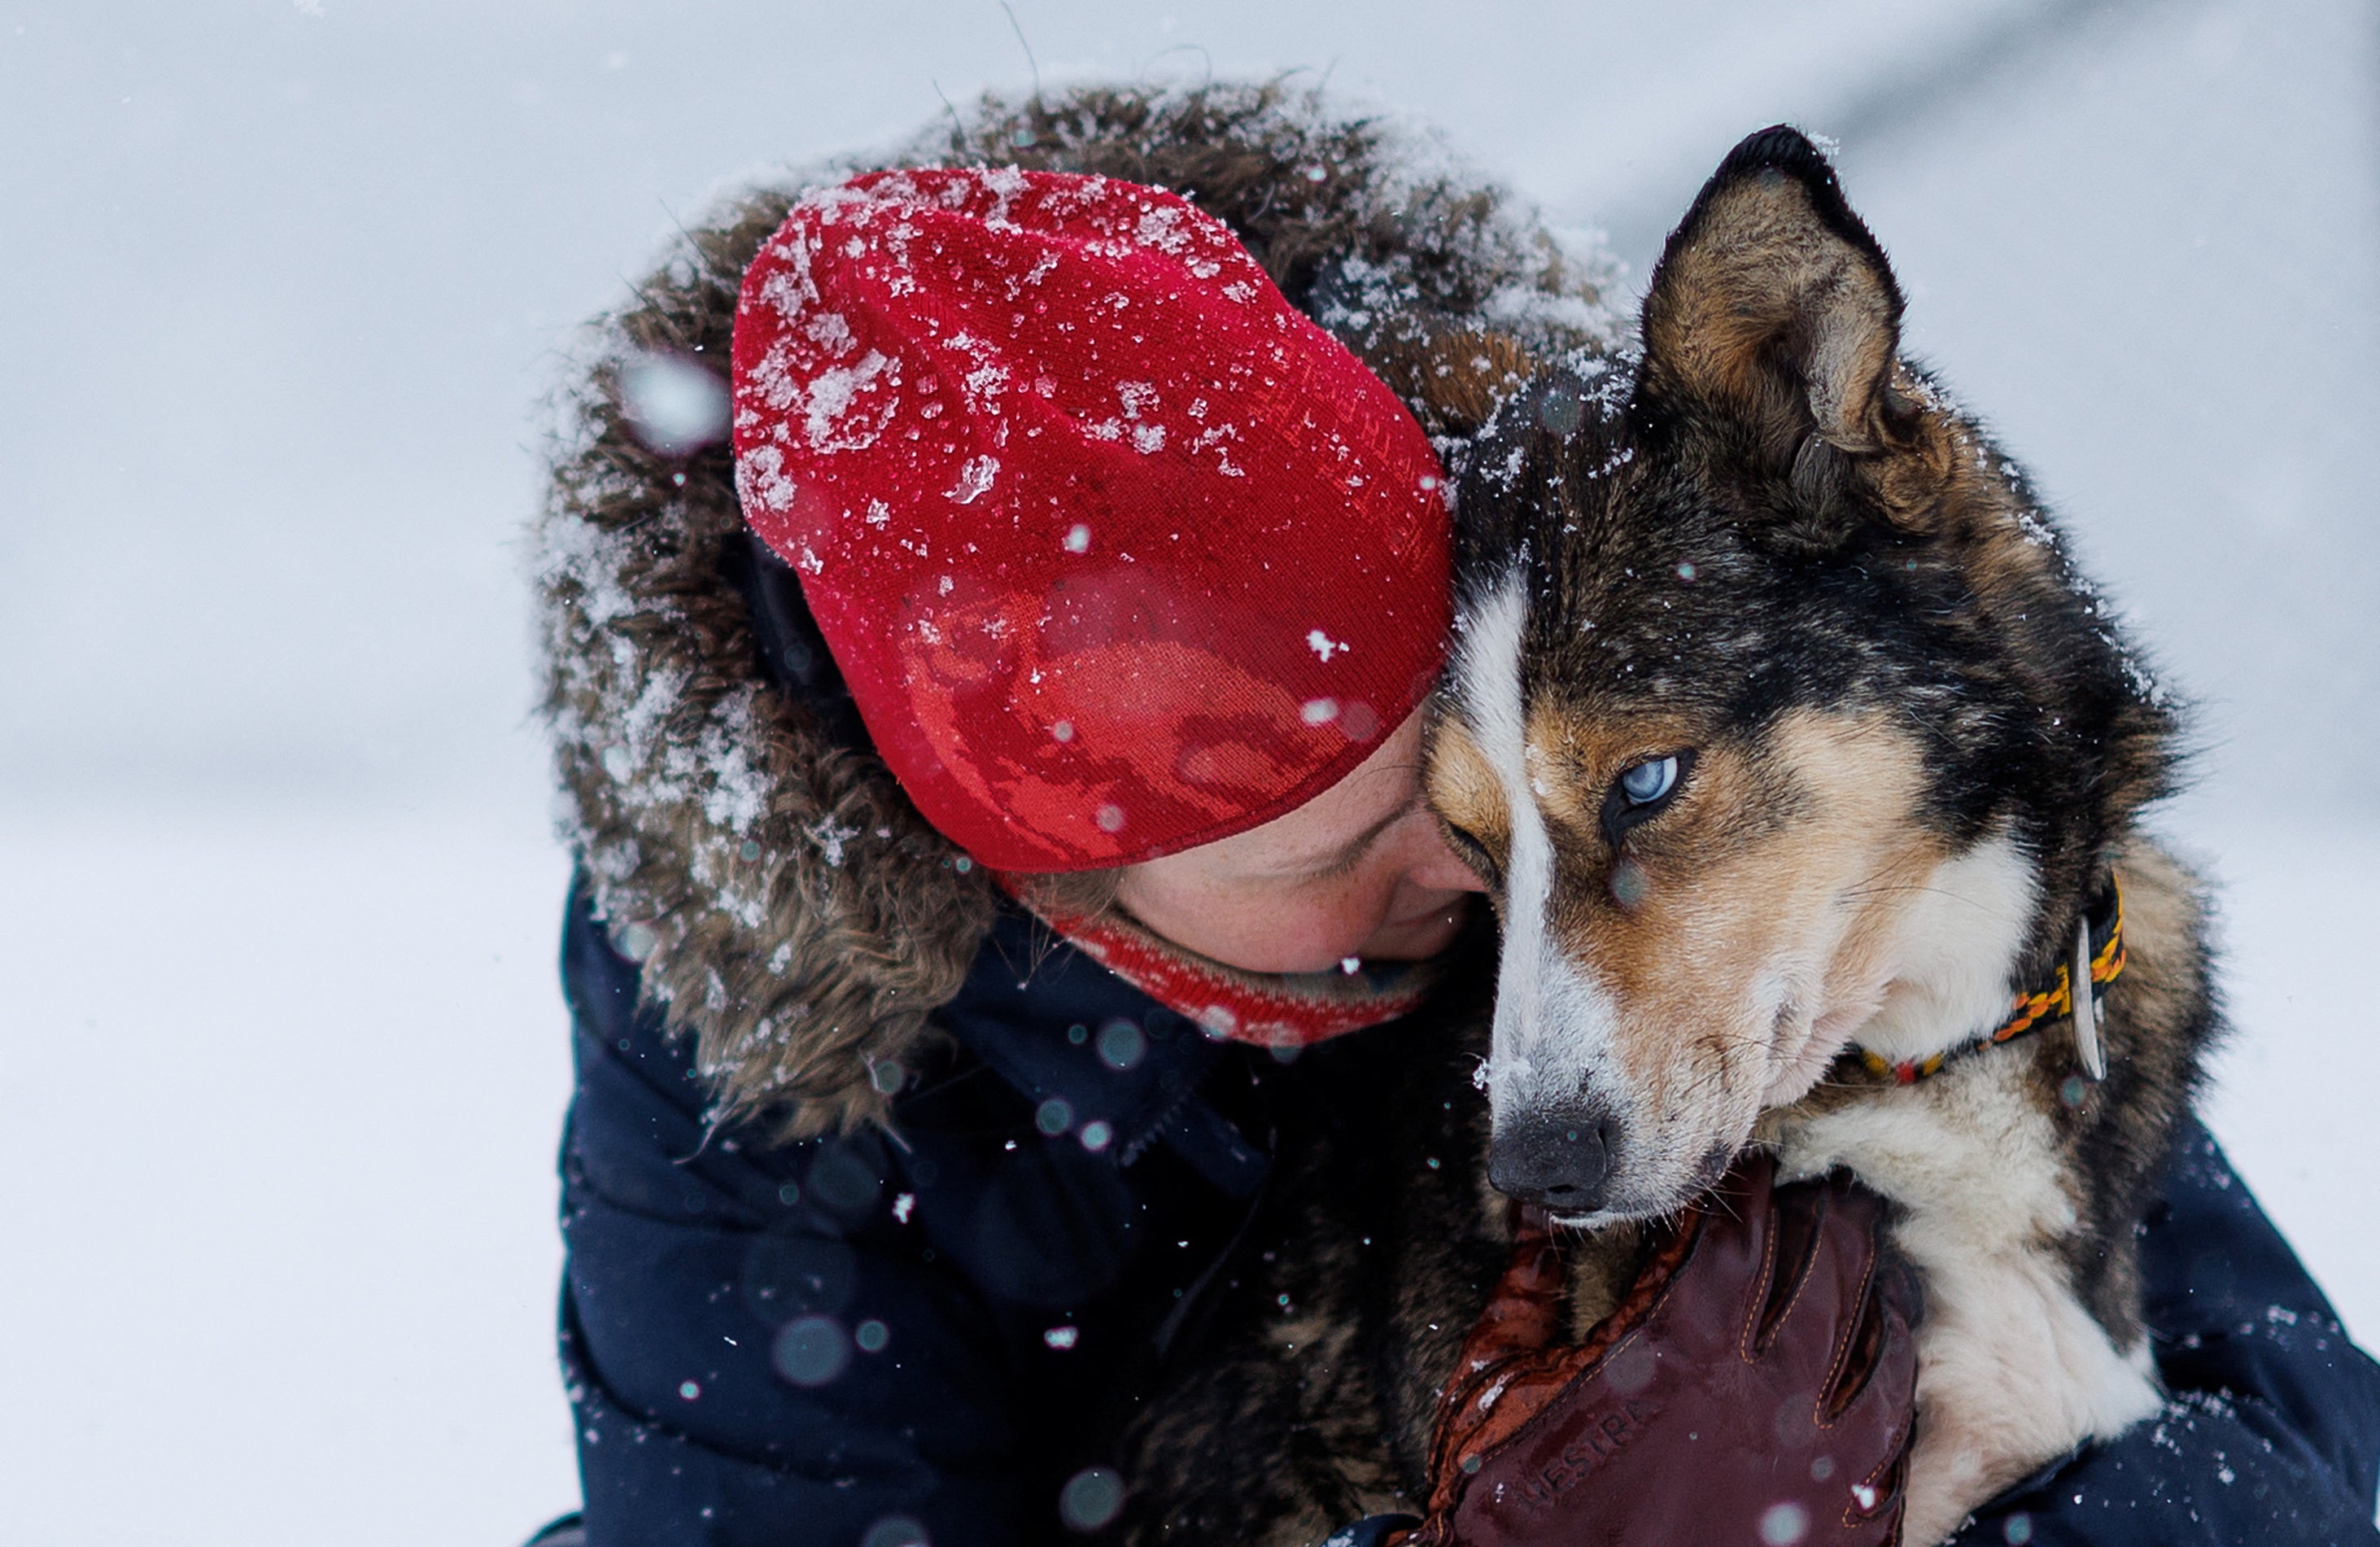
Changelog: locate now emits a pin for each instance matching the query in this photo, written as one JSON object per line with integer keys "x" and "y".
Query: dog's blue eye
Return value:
{"x": 1647, "y": 782}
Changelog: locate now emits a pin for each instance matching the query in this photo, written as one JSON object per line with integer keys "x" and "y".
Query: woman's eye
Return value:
{"x": 1649, "y": 781}
{"x": 1470, "y": 850}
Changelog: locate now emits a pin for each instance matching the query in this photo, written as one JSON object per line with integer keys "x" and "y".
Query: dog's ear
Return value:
{"x": 1773, "y": 307}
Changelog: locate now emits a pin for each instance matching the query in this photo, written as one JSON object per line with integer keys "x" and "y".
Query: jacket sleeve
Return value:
{"x": 755, "y": 1351}
{"x": 2272, "y": 1432}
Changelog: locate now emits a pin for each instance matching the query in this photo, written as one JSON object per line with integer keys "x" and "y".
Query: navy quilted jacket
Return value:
{"x": 855, "y": 1343}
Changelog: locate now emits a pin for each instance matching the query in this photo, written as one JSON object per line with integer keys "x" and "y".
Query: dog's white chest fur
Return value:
{"x": 2012, "y": 1370}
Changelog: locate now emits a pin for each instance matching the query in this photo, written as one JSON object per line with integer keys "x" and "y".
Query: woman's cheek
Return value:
{"x": 1350, "y": 915}
{"x": 1315, "y": 926}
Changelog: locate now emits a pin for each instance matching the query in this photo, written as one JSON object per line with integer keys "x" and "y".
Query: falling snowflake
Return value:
{"x": 673, "y": 405}
{"x": 1785, "y": 1524}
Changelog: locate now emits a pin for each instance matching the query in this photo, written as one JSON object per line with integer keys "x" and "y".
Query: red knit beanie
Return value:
{"x": 1118, "y": 553}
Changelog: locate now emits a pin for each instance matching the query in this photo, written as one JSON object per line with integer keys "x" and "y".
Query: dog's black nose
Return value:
{"x": 1559, "y": 1160}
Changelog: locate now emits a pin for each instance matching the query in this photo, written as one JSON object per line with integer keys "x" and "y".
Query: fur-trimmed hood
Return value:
{"x": 789, "y": 906}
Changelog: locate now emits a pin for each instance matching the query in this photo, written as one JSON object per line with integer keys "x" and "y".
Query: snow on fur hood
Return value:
{"x": 790, "y": 908}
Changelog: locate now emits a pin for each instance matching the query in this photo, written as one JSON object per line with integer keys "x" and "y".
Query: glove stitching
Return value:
{"x": 1751, "y": 1346}
{"x": 1585, "y": 1361}
{"x": 1895, "y": 1455}
{"x": 1843, "y": 1342}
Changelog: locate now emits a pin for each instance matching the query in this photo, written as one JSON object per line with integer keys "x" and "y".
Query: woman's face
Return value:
{"x": 1358, "y": 871}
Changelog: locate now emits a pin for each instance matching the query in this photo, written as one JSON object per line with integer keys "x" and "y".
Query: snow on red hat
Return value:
{"x": 1118, "y": 552}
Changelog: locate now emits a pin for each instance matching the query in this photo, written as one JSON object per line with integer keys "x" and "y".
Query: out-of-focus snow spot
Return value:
{"x": 812, "y": 1350}
{"x": 839, "y": 1178}
{"x": 674, "y": 404}
{"x": 895, "y": 1530}
{"x": 1091, "y": 1498}
{"x": 1121, "y": 1044}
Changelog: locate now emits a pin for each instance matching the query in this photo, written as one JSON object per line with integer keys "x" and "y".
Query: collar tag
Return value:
{"x": 2073, "y": 991}
{"x": 2086, "y": 1005}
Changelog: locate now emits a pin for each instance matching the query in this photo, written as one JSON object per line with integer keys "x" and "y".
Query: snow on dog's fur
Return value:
{"x": 1786, "y": 733}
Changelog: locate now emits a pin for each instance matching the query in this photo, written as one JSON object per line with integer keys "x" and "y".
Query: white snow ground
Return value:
{"x": 283, "y": 1059}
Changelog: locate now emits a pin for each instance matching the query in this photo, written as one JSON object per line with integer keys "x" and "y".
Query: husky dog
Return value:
{"x": 1807, "y": 772}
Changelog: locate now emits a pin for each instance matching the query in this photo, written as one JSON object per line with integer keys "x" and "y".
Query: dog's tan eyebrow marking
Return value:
{"x": 1462, "y": 787}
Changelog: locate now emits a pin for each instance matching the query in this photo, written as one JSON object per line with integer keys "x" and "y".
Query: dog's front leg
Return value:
{"x": 2012, "y": 1370}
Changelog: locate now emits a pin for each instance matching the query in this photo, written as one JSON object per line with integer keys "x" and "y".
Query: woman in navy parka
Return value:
{"x": 894, "y": 1203}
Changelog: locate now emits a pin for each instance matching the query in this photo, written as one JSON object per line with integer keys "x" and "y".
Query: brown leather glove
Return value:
{"x": 1756, "y": 1386}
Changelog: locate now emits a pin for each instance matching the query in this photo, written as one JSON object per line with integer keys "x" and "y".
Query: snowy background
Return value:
{"x": 283, "y": 1057}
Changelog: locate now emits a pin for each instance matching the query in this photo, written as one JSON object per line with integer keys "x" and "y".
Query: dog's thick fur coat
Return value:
{"x": 1905, "y": 747}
